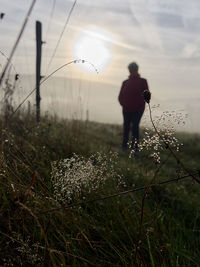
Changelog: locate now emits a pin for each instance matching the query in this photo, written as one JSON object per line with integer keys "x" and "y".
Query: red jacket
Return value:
{"x": 130, "y": 96}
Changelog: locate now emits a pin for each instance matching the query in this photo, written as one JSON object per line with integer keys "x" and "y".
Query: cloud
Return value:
{"x": 191, "y": 50}
{"x": 150, "y": 31}
{"x": 163, "y": 19}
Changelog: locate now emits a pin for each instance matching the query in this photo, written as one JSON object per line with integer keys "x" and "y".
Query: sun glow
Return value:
{"x": 93, "y": 45}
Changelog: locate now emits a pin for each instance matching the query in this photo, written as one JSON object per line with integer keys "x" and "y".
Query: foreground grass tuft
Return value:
{"x": 59, "y": 163}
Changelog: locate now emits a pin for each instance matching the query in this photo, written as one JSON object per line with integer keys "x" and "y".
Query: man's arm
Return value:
{"x": 120, "y": 97}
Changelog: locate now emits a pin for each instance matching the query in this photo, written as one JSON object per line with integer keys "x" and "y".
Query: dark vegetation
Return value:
{"x": 157, "y": 226}
{"x": 52, "y": 211}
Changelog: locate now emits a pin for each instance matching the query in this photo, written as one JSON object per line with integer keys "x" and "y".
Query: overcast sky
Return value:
{"x": 161, "y": 35}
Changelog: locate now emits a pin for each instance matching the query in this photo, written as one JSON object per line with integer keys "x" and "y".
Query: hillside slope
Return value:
{"x": 70, "y": 197}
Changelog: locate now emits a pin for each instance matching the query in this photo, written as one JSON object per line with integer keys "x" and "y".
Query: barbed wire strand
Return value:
{"x": 61, "y": 34}
{"x": 48, "y": 29}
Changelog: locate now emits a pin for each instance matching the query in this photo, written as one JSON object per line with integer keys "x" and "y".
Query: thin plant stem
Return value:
{"x": 170, "y": 149}
{"x": 60, "y": 37}
{"x": 47, "y": 77}
{"x": 117, "y": 194}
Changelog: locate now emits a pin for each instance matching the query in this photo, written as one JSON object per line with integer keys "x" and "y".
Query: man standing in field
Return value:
{"x": 132, "y": 97}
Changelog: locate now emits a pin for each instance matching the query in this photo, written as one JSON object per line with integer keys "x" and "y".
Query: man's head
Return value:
{"x": 133, "y": 67}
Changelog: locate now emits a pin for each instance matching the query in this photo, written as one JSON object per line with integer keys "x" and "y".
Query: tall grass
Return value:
{"x": 158, "y": 226}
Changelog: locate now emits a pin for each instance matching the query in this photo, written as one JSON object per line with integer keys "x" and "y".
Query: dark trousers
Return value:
{"x": 131, "y": 120}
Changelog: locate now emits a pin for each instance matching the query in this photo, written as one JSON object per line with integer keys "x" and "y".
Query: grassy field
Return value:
{"x": 54, "y": 176}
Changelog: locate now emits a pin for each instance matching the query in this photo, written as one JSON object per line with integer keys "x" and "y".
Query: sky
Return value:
{"x": 161, "y": 36}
